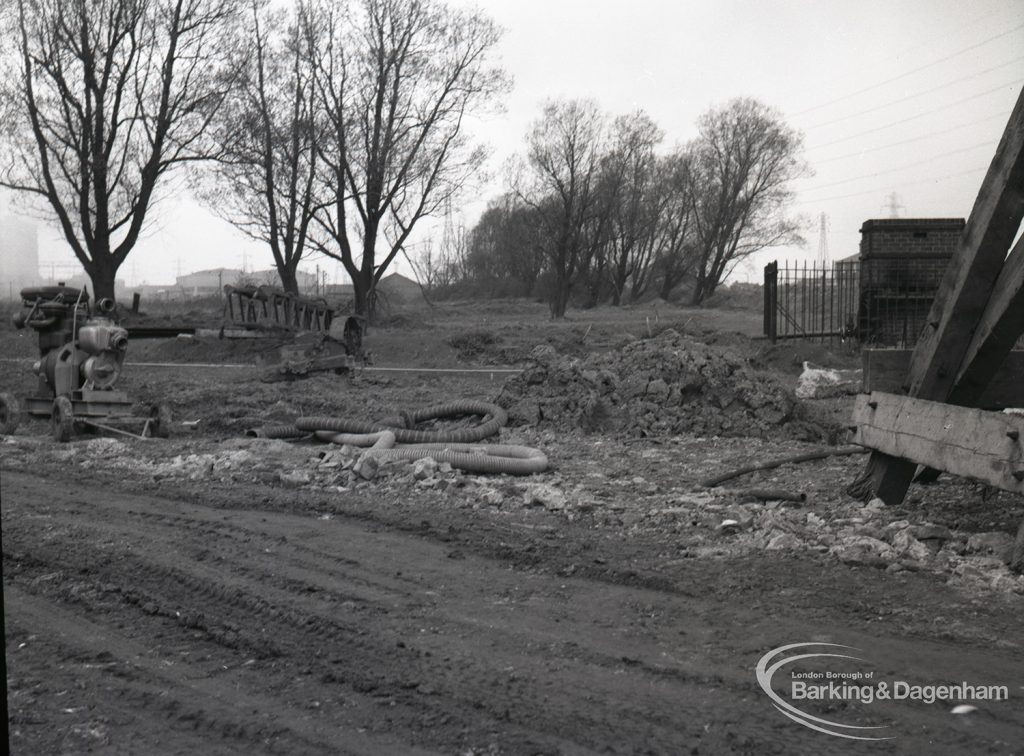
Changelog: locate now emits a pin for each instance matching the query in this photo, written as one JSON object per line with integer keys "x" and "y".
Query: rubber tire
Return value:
{"x": 62, "y": 419}
{"x": 10, "y": 414}
{"x": 160, "y": 421}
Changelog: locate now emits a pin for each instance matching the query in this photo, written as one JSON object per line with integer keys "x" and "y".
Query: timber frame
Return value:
{"x": 975, "y": 319}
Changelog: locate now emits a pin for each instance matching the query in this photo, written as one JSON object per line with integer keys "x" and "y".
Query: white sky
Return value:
{"x": 905, "y": 96}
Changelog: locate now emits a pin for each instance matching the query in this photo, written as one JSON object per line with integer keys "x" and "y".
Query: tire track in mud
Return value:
{"x": 436, "y": 682}
{"x": 390, "y": 632}
{"x": 187, "y": 703}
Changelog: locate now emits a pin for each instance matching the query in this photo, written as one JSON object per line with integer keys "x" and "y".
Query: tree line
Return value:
{"x": 333, "y": 127}
{"x": 326, "y": 126}
{"x": 595, "y": 212}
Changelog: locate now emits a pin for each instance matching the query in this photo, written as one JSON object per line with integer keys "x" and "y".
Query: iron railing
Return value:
{"x": 878, "y": 302}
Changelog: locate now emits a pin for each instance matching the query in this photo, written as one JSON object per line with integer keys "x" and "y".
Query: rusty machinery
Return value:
{"x": 81, "y": 355}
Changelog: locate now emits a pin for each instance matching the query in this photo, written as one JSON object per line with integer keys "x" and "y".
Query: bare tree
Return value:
{"x": 264, "y": 180}
{"x": 675, "y": 249}
{"x": 634, "y": 204}
{"x": 506, "y": 251}
{"x": 743, "y": 162}
{"x": 396, "y": 81}
{"x": 109, "y": 96}
{"x": 564, "y": 154}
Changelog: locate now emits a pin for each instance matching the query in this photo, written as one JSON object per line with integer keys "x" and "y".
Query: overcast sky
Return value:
{"x": 904, "y": 96}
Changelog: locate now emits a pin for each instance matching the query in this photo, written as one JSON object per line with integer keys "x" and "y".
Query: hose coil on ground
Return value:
{"x": 494, "y": 419}
{"x": 480, "y": 458}
{"x": 456, "y": 447}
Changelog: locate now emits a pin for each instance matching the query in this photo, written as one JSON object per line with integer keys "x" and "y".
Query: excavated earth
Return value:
{"x": 217, "y": 594}
{"x": 661, "y": 386}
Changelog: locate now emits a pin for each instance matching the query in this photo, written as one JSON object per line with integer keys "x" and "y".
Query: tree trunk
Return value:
{"x": 103, "y": 274}
{"x": 361, "y": 297}
{"x": 667, "y": 284}
{"x": 289, "y": 280}
{"x": 699, "y": 291}
{"x": 560, "y": 296}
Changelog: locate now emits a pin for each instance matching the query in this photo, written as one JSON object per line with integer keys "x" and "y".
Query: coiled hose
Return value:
{"x": 456, "y": 447}
{"x": 494, "y": 419}
{"x": 490, "y": 458}
{"x": 276, "y": 431}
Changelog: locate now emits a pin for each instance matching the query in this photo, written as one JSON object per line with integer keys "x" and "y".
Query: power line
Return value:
{"x": 916, "y": 94}
{"x": 979, "y": 95}
{"x": 819, "y": 200}
{"x": 911, "y": 72}
{"x": 859, "y": 153}
{"x": 989, "y": 143}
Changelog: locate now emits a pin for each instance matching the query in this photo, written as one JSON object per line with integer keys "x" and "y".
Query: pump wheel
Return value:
{"x": 160, "y": 421}
{"x": 62, "y": 419}
{"x": 10, "y": 414}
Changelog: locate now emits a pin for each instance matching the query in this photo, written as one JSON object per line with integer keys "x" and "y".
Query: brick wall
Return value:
{"x": 902, "y": 261}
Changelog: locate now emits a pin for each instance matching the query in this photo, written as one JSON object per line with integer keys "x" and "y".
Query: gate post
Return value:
{"x": 771, "y": 304}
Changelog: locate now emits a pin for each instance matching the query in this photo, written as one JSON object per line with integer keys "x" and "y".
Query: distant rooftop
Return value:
{"x": 912, "y": 224}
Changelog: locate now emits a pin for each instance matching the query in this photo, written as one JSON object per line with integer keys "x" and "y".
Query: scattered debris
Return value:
{"x": 824, "y": 383}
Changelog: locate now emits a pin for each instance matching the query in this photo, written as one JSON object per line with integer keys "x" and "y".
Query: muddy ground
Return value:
{"x": 212, "y": 593}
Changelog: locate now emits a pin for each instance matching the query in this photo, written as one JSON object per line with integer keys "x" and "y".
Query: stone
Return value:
{"x": 863, "y": 550}
{"x": 994, "y": 543}
{"x": 1017, "y": 553}
{"x": 366, "y": 467}
{"x": 294, "y": 477}
{"x": 657, "y": 389}
{"x": 931, "y": 533}
{"x": 424, "y": 468}
{"x": 333, "y": 458}
{"x": 908, "y": 547}
{"x": 781, "y": 541}
{"x": 492, "y": 497}
{"x": 544, "y": 495}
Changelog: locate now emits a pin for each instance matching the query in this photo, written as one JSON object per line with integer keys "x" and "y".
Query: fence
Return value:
{"x": 811, "y": 301}
{"x": 879, "y": 302}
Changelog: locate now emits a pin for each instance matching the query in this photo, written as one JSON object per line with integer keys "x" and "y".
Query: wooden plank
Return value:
{"x": 886, "y": 370}
{"x": 998, "y": 330}
{"x": 972, "y": 443}
{"x": 961, "y": 299}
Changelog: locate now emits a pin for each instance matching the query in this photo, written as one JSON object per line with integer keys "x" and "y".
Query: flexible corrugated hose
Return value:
{"x": 494, "y": 419}
{"x": 481, "y": 458}
{"x": 456, "y": 447}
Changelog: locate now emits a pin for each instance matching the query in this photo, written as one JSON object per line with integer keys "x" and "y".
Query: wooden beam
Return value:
{"x": 961, "y": 299}
{"x": 972, "y": 443}
{"x": 972, "y": 273}
{"x": 886, "y": 370}
{"x": 998, "y": 330}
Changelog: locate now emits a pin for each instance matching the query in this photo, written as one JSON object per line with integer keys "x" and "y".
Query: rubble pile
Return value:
{"x": 653, "y": 387}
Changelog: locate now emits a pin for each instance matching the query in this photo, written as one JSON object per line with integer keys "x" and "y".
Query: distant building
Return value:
{"x": 19, "y": 255}
{"x": 207, "y": 282}
{"x": 211, "y": 282}
{"x": 398, "y": 290}
{"x": 395, "y": 290}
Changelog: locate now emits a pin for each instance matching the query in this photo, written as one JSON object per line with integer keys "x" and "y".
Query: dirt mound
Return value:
{"x": 660, "y": 386}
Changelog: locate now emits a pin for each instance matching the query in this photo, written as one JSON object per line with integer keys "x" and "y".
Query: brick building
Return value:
{"x": 902, "y": 261}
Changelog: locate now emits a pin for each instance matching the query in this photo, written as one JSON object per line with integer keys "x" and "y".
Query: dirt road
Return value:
{"x": 139, "y": 622}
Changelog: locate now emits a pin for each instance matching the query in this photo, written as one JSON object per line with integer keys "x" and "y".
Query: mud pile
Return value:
{"x": 660, "y": 386}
